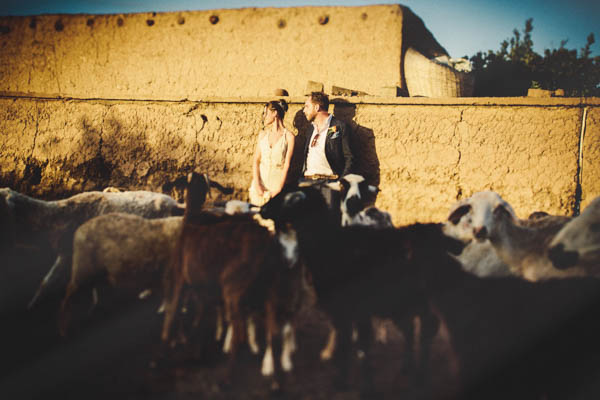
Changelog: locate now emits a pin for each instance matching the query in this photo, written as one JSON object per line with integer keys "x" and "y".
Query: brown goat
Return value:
{"x": 229, "y": 261}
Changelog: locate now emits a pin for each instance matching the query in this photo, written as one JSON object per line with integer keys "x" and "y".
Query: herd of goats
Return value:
{"x": 519, "y": 299}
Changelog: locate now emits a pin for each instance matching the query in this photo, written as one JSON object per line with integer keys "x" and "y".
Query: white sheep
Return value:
{"x": 128, "y": 251}
{"x": 29, "y": 217}
{"x": 478, "y": 257}
{"x": 56, "y": 221}
{"x": 577, "y": 244}
{"x": 520, "y": 244}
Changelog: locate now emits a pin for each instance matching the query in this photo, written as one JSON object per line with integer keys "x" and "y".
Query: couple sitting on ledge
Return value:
{"x": 327, "y": 152}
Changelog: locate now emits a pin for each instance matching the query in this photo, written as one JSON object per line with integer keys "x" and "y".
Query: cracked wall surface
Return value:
{"x": 423, "y": 155}
{"x": 184, "y": 55}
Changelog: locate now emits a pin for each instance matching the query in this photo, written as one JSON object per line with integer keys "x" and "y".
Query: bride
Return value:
{"x": 272, "y": 156}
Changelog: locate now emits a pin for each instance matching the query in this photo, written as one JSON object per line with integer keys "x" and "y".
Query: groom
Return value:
{"x": 327, "y": 153}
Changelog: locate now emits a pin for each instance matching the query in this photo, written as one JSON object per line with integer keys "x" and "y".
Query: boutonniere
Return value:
{"x": 332, "y": 129}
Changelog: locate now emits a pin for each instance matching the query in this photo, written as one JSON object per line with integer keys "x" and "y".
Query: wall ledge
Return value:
{"x": 367, "y": 100}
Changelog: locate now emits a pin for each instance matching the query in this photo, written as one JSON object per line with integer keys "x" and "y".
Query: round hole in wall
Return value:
{"x": 364, "y": 16}
{"x": 90, "y": 22}
{"x": 120, "y": 21}
{"x": 58, "y": 25}
{"x": 181, "y": 20}
{"x": 281, "y": 23}
{"x": 323, "y": 19}
{"x": 213, "y": 19}
{"x": 149, "y": 22}
{"x": 33, "y": 23}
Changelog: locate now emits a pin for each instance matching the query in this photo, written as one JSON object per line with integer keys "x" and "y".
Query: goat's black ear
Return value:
{"x": 501, "y": 211}
{"x": 222, "y": 189}
{"x": 294, "y": 198}
{"x": 458, "y": 213}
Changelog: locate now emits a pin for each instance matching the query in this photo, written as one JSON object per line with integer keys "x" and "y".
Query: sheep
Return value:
{"x": 358, "y": 270}
{"x": 124, "y": 250}
{"x": 31, "y": 217}
{"x": 130, "y": 251}
{"x": 478, "y": 257}
{"x": 520, "y": 244}
{"x": 515, "y": 338}
{"x": 577, "y": 244}
{"x": 230, "y": 261}
{"x": 80, "y": 208}
{"x": 31, "y": 222}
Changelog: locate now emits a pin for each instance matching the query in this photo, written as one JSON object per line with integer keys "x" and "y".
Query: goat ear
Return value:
{"x": 502, "y": 211}
{"x": 294, "y": 198}
{"x": 457, "y": 214}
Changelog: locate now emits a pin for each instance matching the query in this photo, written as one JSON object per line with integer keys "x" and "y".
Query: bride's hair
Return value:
{"x": 280, "y": 106}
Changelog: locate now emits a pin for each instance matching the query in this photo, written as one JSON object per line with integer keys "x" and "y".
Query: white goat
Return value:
{"x": 51, "y": 219}
{"x": 56, "y": 221}
{"x": 577, "y": 244}
{"x": 521, "y": 245}
{"x": 355, "y": 194}
{"x": 478, "y": 257}
{"x": 130, "y": 251}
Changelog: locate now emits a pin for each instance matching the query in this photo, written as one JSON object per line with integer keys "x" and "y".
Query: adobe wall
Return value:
{"x": 423, "y": 153}
{"x": 183, "y": 55}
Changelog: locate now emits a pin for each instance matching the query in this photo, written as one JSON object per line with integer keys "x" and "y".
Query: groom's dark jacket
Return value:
{"x": 337, "y": 147}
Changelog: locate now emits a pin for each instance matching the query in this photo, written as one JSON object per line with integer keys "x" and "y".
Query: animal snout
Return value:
{"x": 480, "y": 233}
{"x": 353, "y": 205}
{"x": 561, "y": 258}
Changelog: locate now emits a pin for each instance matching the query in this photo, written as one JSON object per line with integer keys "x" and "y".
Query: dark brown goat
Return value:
{"x": 229, "y": 261}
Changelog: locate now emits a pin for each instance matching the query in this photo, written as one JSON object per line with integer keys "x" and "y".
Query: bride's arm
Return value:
{"x": 289, "y": 137}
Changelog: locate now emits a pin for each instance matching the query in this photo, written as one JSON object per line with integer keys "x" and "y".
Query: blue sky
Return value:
{"x": 463, "y": 27}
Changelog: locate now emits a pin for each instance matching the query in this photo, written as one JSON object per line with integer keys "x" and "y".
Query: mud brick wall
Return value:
{"x": 539, "y": 154}
{"x": 190, "y": 55}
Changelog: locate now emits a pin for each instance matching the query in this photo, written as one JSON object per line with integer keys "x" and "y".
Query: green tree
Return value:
{"x": 515, "y": 67}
